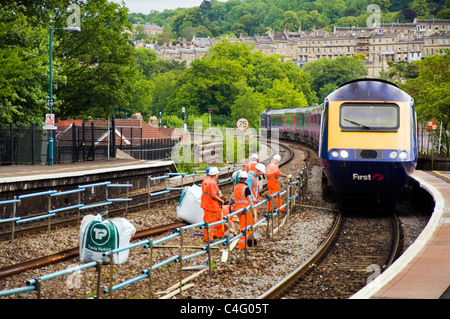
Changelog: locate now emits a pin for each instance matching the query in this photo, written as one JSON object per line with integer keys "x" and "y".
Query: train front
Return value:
{"x": 368, "y": 140}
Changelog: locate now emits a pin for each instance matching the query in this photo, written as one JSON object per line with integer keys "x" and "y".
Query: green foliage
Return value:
{"x": 327, "y": 74}
{"x": 99, "y": 62}
{"x": 258, "y": 16}
{"x": 23, "y": 68}
{"x": 236, "y": 82}
{"x": 94, "y": 73}
{"x": 171, "y": 121}
{"x": 430, "y": 90}
{"x": 97, "y": 73}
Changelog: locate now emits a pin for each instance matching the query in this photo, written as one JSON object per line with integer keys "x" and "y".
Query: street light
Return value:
{"x": 50, "y": 101}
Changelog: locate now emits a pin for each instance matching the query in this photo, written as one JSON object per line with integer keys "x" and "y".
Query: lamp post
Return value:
{"x": 50, "y": 101}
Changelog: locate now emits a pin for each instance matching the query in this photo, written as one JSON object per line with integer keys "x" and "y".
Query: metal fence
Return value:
{"x": 23, "y": 145}
{"x": 130, "y": 140}
{"x": 86, "y": 142}
{"x": 432, "y": 141}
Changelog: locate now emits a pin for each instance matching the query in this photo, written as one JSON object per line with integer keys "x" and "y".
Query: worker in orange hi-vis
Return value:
{"x": 272, "y": 174}
{"x": 210, "y": 202}
{"x": 252, "y": 182}
{"x": 250, "y": 166}
{"x": 243, "y": 199}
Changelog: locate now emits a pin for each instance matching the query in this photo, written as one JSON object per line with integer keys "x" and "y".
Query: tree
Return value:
{"x": 98, "y": 62}
{"x": 284, "y": 95}
{"x": 250, "y": 23}
{"x": 23, "y": 68}
{"x": 408, "y": 14}
{"x": 291, "y": 21}
{"x": 420, "y": 7}
{"x": 164, "y": 88}
{"x": 313, "y": 20}
{"x": 248, "y": 104}
{"x": 337, "y": 71}
{"x": 145, "y": 60}
{"x": 236, "y": 82}
{"x": 443, "y": 14}
{"x": 430, "y": 91}
{"x": 93, "y": 70}
{"x": 384, "y": 4}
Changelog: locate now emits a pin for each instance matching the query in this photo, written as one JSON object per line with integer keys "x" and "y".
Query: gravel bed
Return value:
{"x": 269, "y": 260}
{"x": 246, "y": 276}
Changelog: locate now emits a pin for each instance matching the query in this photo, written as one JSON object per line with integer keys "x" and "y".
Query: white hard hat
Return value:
{"x": 243, "y": 174}
{"x": 254, "y": 156}
{"x": 213, "y": 171}
{"x": 261, "y": 167}
{"x": 277, "y": 157}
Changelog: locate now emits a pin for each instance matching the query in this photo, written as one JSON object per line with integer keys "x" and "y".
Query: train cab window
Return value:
{"x": 371, "y": 117}
{"x": 263, "y": 121}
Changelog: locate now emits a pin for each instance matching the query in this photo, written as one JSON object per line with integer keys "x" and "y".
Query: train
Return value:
{"x": 365, "y": 133}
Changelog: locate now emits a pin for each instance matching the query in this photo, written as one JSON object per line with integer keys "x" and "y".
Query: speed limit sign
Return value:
{"x": 242, "y": 124}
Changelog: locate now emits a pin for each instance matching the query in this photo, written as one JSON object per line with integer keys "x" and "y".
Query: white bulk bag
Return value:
{"x": 188, "y": 208}
{"x": 99, "y": 235}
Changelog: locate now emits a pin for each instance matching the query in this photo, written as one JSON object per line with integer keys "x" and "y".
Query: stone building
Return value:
{"x": 387, "y": 42}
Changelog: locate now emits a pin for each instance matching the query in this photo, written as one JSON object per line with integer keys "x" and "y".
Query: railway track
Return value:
{"x": 140, "y": 198}
{"x": 44, "y": 261}
{"x": 220, "y": 273}
{"x": 339, "y": 270}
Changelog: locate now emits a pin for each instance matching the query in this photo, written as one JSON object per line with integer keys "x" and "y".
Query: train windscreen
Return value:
{"x": 369, "y": 117}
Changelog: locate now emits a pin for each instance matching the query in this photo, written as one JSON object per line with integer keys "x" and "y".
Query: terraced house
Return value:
{"x": 387, "y": 42}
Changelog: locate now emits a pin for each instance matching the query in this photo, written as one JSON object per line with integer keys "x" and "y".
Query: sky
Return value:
{"x": 144, "y": 6}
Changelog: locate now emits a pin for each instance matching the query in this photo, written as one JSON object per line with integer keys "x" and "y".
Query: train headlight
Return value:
{"x": 393, "y": 155}
{"x": 334, "y": 153}
{"x": 344, "y": 154}
{"x": 403, "y": 155}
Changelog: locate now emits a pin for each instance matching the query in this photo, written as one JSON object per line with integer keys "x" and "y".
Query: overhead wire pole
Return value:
{"x": 50, "y": 101}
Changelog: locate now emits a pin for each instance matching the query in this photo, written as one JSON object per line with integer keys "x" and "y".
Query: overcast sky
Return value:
{"x": 144, "y": 6}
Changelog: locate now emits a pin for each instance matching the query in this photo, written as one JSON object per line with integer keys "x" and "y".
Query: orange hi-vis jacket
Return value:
{"x": 250, "y": 167}
{"x": 272, "y": 173}
{"x": 245, "y": 220}
{"x": 240, "y": 201}
{"x": 209, "y": 188}
{"x": 252, "y": 182}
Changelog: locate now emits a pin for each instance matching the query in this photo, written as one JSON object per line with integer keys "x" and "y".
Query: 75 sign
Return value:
{"x": 242, "y": 124}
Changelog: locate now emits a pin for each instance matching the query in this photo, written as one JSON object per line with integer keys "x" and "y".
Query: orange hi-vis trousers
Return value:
{"x": 273, "y": 187}
{"x": 214, "y": 216}
{"x": 211, "y": 217}
{"x": 243, "y": 221}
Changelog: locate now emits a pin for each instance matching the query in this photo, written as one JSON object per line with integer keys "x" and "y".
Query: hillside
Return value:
{"x": 249, "y": 17}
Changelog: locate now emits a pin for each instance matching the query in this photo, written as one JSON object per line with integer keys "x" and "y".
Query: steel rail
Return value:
{"x": 395, "y": 225}
{"x": 286, "y": 282}
{"x": 18, "y": 232}
{"x": 70, "y": 253}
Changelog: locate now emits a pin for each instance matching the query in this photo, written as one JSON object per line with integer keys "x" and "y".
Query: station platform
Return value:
{"x": 423, "y": 270}
{"x": 18, "y": 179}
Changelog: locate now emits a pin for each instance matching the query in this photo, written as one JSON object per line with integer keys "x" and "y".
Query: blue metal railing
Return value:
{"x": 34, "y": 284}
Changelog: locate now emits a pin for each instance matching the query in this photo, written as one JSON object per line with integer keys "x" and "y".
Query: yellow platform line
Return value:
{"x": 436, "y": 172}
